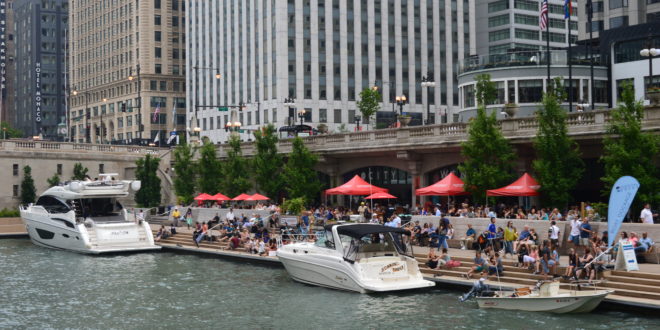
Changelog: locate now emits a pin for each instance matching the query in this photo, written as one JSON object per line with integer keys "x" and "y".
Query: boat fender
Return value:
{"x": 136, "y": 185}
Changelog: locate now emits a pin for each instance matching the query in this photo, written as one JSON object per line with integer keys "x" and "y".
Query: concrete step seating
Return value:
{"x": 185, "y": 239}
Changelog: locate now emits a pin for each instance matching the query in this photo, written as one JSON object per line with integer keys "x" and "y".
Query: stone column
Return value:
{"x": 414, "y": 168}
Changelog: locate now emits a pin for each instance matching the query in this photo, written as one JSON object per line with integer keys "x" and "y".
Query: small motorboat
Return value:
{"x": 546, "y": 296}
{"x": 354, "y": 257}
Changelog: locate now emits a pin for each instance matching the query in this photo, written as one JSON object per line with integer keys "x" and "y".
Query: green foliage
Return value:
{"x": 369, "y": 102}
{"x": 299, "y": 175}
{"x": 53, "y": 180}
{"x": 557, "y": 165}
{"x": 267, "y": 163}
{"x": 488, "y": 156}
{"x": 235, "y": 170}
{"x": 209, "y": 171}
{"x": 9, "y": 132}
{"x": 79, "y": 172}
{"x": 146, "y": 172}
{"x": 486, "y": 90}
{"x": 294, "y": 205}
{"x": 184, "y": 170}
{"x": 28, "y": 191}
{"x": 7, "y": 213}
{"x": 629, "y": 151}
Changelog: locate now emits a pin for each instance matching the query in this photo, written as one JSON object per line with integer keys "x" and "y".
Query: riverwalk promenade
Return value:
{"x": 639, "y": 290}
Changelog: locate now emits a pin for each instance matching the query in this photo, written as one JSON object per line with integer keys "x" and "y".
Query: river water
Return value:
{"x": 43, "y": 288}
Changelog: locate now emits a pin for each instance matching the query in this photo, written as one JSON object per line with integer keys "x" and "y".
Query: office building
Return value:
{"x": 7, "y": 64}
{"x": 612, "y": 14}
{"x": 322, "y": 54}
{"x": 40, "y": 40}
{"x": 127, "y": 74}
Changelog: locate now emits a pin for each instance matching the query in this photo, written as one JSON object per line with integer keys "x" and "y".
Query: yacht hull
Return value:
{"x": 565, "y": 303}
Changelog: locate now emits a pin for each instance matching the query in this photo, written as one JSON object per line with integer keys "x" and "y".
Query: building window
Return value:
{"x": 530, "y": 91}
{"x": 600, "y": 91}
{"x": 265, "y": 116}
{"x": 620, "y": 21}
{"x": 101, "y": 168}
{"x": 158, "y": 52}
{"x": 614, "y": 4}
{"x": 158, "y": 68}
{"x": 274, "y": 116}
{"x": 468, "y": 96}
{"x": 653, "y": 17}
{"x": 158, "y": 36}
{"x": 163, "y": 86}
{"x": 500, "y": 20}
{"x": 499, "y": 35}
{"x": 498, "y": 6}
{"x": 153, "y": 85}
{"x": 351, "y": 116}
{"x": 175, "y": 4}
{"x": 622, "y": 82}
{"x": 157, "y": 4}
{"x": 175, "y": 20}
{"x": 598, "y": 6}
{"x": 323, "y": 115}
{"x": 59, "y": 169}
{"x": 15, "y": 169}
{"x": 595, "y": 26}
{"x": 337, "y": 116}
{"x": 527, "y": 34}
{"x": 526, "y": 5}
{"x": 156, "y": 19}
{"x": 15, "y": 192}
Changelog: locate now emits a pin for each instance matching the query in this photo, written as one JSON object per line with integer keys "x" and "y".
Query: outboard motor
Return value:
{"x": 478, "y": 287}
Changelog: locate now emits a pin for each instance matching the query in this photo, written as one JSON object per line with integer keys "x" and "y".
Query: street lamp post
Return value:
{"x": 4, "y": 133}
{"x": 357, "y": 123}
{"x": 103, "y": 131}
{"x": 88, "y": 134}
{"x": 400, "y": 101}
{"x": 650, "y": 53}
{"x": 139, "y": 100}
{"x": 301, "y": 115}
{"x": 428, "y": 82}
{"x": 290, "y": 102}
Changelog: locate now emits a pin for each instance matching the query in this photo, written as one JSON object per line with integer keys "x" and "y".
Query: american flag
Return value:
{"x": 155, "y": 118}
{"x": 543, "y": 19}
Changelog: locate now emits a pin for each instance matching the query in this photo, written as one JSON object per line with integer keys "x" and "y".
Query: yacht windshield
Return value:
{"x": 378, "y": 244}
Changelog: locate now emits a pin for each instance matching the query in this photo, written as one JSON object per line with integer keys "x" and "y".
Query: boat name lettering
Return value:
{"x": 119, "y": 232}
{"x": 393, "y": 267}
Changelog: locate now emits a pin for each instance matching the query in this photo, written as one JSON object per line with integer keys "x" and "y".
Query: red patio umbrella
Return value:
{"x": 203, "y": 197}
{"x": 355, "y": 186}
{"x": 451, "y": 185}
{"x": 220, "y": 197}
{"x": 524, "y": 186}
{"x": 380, "y": 195}
{"x": 257, "y": 197}
{"x": 241, "y": 197}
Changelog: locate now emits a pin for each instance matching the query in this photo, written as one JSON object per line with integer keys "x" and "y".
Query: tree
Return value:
{"x": 299, "y": 175}
{"x": 9, "y": 132}
{"x": 209, "y": 173}
{"x": 28, "y": 192}
{"x": 557, "y": 165}
{"x": 79, "y": 172}
{"x": 267, "y": 163}
{"x": 54, "y": 180}
{"x": 488, "y": 155}
{"x": 146, "y": 172}
{"x": 629, "y": 151}
{"x": 486, "y": 90}
{"x": 369, "y": 103}
{"x": 184, "y": 169}
{"x": 235, "y": 169}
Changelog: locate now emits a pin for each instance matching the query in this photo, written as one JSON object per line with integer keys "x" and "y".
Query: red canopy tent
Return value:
{"x": 355, "y": 186}
{"x": 257, "y": 197}
{"x": 203, "y": 197}
{"x": 451, "y": 185}
{"x": 380, "y": 195}
{"x": 524, "y": 186}
{"x": 220, "y": 197}
{"x": 241, "y": 197}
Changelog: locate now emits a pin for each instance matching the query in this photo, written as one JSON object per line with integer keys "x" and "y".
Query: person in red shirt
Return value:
{"x": 234, "y": 242}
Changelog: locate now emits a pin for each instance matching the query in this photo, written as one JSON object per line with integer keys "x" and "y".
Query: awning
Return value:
{"x": 363, "y": 229}
{"x": 220, "y": 197}
{"x": 524, "y": 186}
{"x": 451, "y": 185}
{"x": 257, "y": 197}
{"x": 356, "y": 186}
{"x": 241, "y": 197}
{"x": 380, "y": 195}
{"x": 204, "y": 197}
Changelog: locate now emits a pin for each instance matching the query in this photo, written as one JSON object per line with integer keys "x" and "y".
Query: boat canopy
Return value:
{"x": 364, "y": 229}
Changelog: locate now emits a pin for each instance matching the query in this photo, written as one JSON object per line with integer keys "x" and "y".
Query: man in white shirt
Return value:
{"x": 230, "y": 215}
{"x": 553, "y": 233}
{"x": 647, "y": 216}
{"x": 438, "y": 213}
{"x": 395, "y": 222}
{"x": 575, "y": 231}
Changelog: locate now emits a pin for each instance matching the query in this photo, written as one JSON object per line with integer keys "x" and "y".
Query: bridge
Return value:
{"x": 429, "y": 152}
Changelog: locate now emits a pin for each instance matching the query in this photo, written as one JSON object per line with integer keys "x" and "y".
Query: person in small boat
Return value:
{"x": 479, "y": 265}
{"x": 572, "y": 264}
{"x": 433, "y": 259}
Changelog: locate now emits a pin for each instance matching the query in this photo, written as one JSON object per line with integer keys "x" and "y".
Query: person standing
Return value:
{"x": 553, "y": 233}
{"x": 575, "y": 231}
{"x": 230, "y": 215}
{"x": 646, "y": 216}
{"x": 510, "y": 236}
{"x": 140, "y": 216}
{"x": 437, "y": 211}
{"x": 189, "y": 218}
{"x": 585, "y": 232}
{"x": 175, "y": 216}
{"x": 492, "y": 231}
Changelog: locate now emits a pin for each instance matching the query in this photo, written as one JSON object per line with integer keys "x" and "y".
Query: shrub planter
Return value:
{"x": 511, "y": 109}
{"x": 654, "y": 96}
{"x": 404, "y": 120}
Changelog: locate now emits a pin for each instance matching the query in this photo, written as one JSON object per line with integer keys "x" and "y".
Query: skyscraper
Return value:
{"x": 611, "y": 14}
{"x": 40, "y": 35}
{"x": 126, "y": 60}
{"x": 322, "y": 54}
{"x": 7, "y": 64}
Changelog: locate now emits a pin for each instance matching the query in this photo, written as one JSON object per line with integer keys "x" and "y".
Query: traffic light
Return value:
{"x": 97, "y": 132}
{"x": 123, "y": 107}
{"x": 88, "y": 114}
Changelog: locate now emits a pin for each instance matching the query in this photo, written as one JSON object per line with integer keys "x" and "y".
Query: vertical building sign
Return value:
{"x": 37, "y": 92}
{"x": 3, "y": 48}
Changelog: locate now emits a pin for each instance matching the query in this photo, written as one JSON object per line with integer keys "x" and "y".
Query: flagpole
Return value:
{"x": 570, "y": 63}
{"x": 547, "y": 43}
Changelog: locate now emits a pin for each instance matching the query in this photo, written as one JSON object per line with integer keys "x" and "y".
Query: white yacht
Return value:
{"x": 86, "y": 217}
{"x": 354, "y": 257}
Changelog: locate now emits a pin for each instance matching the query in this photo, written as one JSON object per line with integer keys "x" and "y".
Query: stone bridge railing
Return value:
{"x": 68, "y": 147}
{"x": 580, "y": 125}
